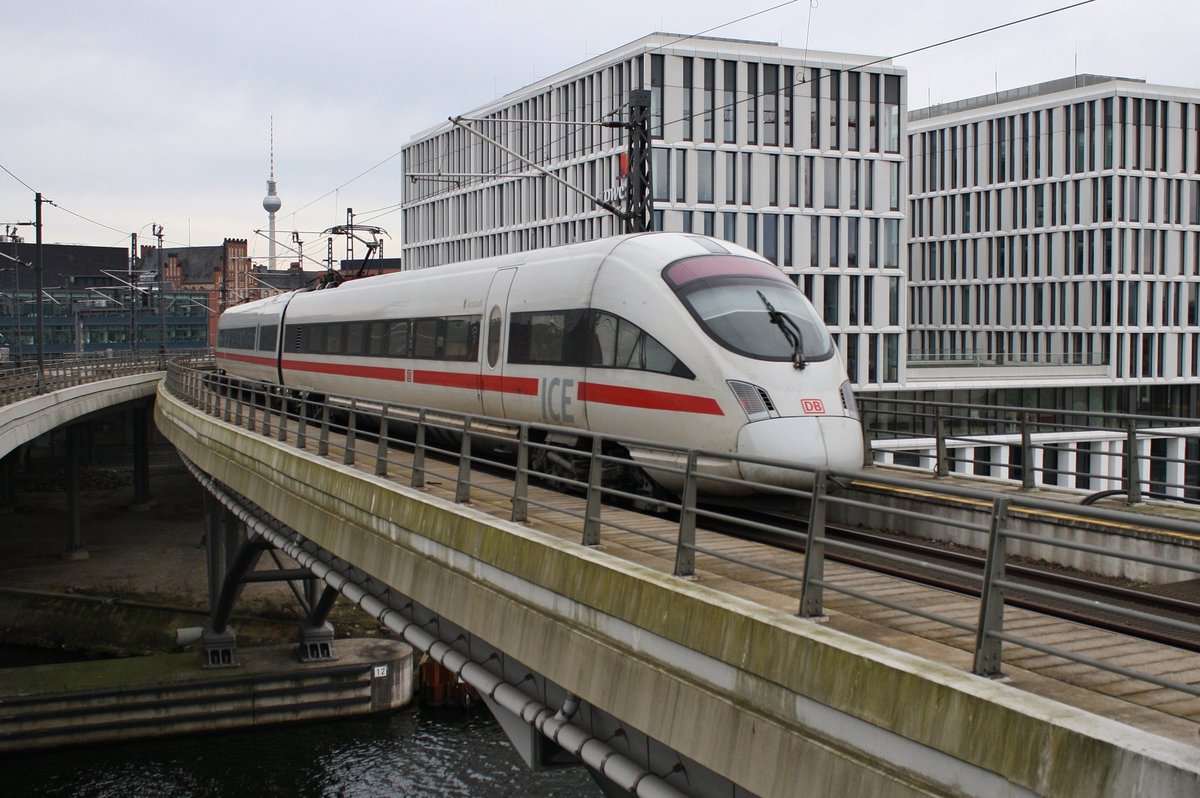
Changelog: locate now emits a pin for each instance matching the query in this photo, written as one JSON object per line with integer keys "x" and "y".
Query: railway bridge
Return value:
{"x": 672, "y": 659}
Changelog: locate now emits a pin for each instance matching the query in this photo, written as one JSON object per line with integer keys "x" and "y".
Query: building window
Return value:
{"x": 891, "y": 244}
{"x": 835, "y": 91}
{"x": 656, "y": 96}
{"x": 832, "y": 174}
{"x": 710, "y": 81}
{"x": 751, "y": 103}
{"x": 681, "y": 176}
{"x": 891, "y": 113}
{"x": 729, "y": 102}
{"x": 852, "y": 83}
{"x": 688, "y": 128}
{"x": 770, "y": 104}
{"x": 704, "y": 176}
{"x": 731, "y": 178}
{"x": 661, "y": 165}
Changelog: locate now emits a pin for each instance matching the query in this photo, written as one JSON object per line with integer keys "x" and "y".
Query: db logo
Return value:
{"x": 812, "y": 406}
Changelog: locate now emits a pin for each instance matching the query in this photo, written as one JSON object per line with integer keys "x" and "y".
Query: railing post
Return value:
{"x": 942, "y": 466}
{"x": 812, "y": 594}
{"x": 685, "y": 549}
{"x": 381, "y": 453}
{"x": 237, "y": 407}
{"x": 283, "y": 417}
{"x": 348, "y": 450}
{"x": 1027, "y": 474}
{"x": 462, "y": 489}
{"x": 1133, "y": 476}
{"x": 591, "y": 513}
{"x": 302, "y": 424}
{"x": 991, "y": 601}
{"x": 266, "y": 411}
{"x": 323, "y": 436}
{"x": 520, "y": 499}
{"x": 251, "y": 419}
{"x": 418, "y": 461}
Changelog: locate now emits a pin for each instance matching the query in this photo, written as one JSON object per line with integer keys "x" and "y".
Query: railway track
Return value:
{"x": 1101, "y": 593}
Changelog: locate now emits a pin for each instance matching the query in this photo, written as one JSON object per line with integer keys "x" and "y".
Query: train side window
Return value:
{"x": 425, "y": 338}
{"x": 546, "y": 333}
{"x": 376, "y": 337}
{"x": 495, "y": 328}
{"x": 397, "y": 342}
{"x": 297, "y": 334}
{"x": 355, "y": 338}
{"x": 237, "y": 338}
{"x": 334, "y": 334}
{"x": 316, "y": 339}
{"x": 604, "y": 340}
{"x": 266, "y": 337}
{"x": 619, "y": 343}
{"x": 462, "y": 338}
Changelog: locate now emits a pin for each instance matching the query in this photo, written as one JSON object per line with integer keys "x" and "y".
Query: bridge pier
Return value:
{"x": 232, "y": 554}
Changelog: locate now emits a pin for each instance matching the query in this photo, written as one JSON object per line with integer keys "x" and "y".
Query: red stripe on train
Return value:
{"x": 597, "y": 393}
{"x": 647, "y": 399}
{"x": 253, "y": 359}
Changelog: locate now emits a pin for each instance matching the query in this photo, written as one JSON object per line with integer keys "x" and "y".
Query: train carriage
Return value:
{"x": 670, "y": 337}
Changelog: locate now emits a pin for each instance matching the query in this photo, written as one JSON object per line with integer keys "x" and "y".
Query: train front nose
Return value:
{"x": 808, "y": 443}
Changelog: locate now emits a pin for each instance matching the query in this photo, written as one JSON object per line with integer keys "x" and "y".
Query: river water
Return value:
{"x": 413, "y": 752}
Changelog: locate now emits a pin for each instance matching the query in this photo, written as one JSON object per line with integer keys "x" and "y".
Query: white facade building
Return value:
{"x": 797, "y": 155}
{"x": 1059, "y": 223}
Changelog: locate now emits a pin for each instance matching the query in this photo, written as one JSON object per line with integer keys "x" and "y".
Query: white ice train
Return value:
{"x": 669, "y": 337}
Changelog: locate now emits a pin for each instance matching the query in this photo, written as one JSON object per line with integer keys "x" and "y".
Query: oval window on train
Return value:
{"x": 493, "y": 342}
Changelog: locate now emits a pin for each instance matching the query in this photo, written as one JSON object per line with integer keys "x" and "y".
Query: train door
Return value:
{"x": 491, "y": 365}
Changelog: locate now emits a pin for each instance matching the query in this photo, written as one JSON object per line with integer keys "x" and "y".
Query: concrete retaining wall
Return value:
{"x": 122, "y": 699}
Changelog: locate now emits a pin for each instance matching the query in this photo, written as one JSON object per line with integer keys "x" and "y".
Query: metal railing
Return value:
{"x": 23, "y": 382}
{"x": 461, "y": 449}
{"x": 1087, "y": 451}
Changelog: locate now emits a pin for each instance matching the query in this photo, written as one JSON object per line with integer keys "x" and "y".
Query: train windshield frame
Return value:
{"x": 732, "y": 299}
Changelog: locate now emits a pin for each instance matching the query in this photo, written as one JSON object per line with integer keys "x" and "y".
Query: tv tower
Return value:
{"x": 271, "y": 203}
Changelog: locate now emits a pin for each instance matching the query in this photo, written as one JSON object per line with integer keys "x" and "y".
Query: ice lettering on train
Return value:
{"x": 557, "y": 398}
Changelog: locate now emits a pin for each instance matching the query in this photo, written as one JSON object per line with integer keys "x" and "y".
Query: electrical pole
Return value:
{"x": 133, "y": 258}
{"x": 157, "y": 230}
{"x": 639, "y": 199}
{"x": 12, "y": 234}
{"x": 40, "y": 324}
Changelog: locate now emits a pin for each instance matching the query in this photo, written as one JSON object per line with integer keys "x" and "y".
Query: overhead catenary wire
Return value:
{"x": 549, "y": 145}
{"x": 749, "y": 96}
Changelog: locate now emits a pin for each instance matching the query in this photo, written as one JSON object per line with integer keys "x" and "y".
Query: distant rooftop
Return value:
{"x": 1009, "y": 95}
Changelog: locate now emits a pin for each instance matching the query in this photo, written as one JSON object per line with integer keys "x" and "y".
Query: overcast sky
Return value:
{"x": 131, "y": 113}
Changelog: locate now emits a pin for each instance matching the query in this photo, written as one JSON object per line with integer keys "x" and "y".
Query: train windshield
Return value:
{"x": 750, "y": 307}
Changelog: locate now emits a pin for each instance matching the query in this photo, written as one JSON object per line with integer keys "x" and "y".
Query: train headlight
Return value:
{"x": 848, "y": 401}
{"x": 754, "y": 400}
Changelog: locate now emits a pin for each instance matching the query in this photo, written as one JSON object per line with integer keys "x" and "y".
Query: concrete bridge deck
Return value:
{"x": 873, "y": 701}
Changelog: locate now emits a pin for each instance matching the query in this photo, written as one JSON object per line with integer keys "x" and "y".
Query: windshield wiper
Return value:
{"x": 790, "y": 330}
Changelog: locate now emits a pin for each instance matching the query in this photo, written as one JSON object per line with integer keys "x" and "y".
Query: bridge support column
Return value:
{"x": 220, "y": 645}
{"x": 316, "y": 633}
{"x": 75, "y": 549}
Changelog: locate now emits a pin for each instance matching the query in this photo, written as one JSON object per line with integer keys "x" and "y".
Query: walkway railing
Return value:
{"x": 432, "y": 438}
{"x": 1087, "y": 451}
{"x": 23, "y": 382}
